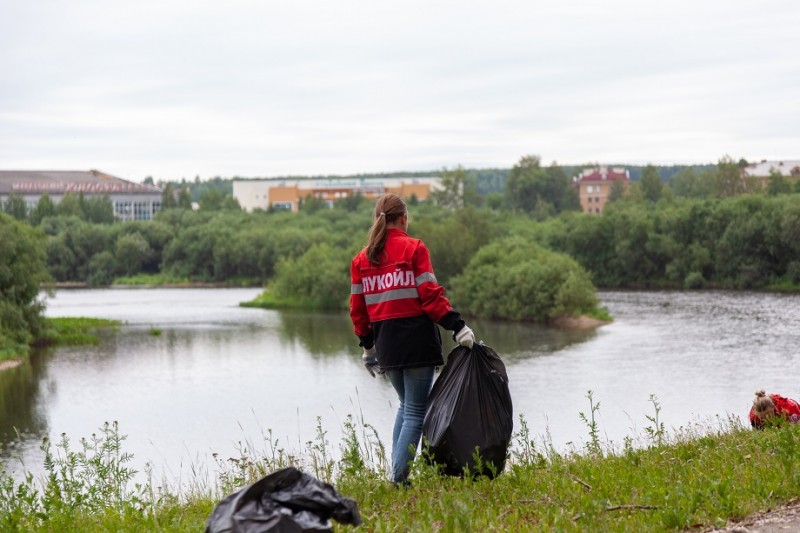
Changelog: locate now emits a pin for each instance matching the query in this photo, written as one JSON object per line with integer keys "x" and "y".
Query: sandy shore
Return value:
{"x": 9, "y": 363}
{"x": 581, "y": 322}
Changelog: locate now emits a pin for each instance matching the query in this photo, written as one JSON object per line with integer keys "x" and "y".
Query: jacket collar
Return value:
{"x": 397, "y": 231}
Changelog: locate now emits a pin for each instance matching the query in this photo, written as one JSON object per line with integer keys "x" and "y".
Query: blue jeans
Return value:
{"x": 412, "y": 386}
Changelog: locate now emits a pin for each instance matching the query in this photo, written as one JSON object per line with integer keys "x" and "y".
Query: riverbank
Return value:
{"x": 8, "y": 364}
{"x": 698, "y": 479}
{"x": 579, "y": 322}
{"x": 64, "y": 331}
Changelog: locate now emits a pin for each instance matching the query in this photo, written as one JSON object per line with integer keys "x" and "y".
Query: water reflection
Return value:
{"x": 218, "y": 373}
{"x": 515, "y": 342}
{"x": 332, "y": 333}
{"x": 319, "y": 333}
{"x": 21, "y": 388}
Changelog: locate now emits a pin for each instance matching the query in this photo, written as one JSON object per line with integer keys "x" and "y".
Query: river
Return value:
{"x": 190, "y": 373}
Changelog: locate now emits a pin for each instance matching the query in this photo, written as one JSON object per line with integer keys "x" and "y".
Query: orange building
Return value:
{"x": 594, "y": 186}
{"x": 287, "y": 194}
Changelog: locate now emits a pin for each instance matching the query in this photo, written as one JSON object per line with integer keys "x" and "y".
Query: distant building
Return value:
{"x": 131, "y": 201}
{"x": 288, "y": 193}
{"x": 594, "y": 186}
{"x": 761, "y": 171}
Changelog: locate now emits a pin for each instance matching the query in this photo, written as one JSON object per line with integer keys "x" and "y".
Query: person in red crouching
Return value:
{"x": 772, "y": 408}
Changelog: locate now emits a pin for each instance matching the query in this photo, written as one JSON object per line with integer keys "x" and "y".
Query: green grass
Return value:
{"x": 12, "y": 351}
{"x": 64, "y": 331}
{"x": 268, "y": 300}
{"x": 73, "y": 331}
{"x": 784, "y": 286}
{"x": 694, "y": 478}
{"x": 151, "y": 279}
{"x": 600, "y": 313}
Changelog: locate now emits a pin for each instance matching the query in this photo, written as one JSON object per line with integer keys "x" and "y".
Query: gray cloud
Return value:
{"x": 250, "y": 88}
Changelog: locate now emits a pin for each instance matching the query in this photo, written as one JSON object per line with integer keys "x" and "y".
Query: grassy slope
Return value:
{"x": 699, "y": 479}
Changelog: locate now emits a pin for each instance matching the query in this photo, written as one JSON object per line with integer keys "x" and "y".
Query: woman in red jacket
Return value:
{"x": 766, "y": 406}
{"x": 395, "y": 306}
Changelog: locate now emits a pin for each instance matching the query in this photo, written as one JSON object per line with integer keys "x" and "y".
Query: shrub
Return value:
{"x": 518, "y": 280}
{"x": 694, "y": 280}
{"x": 22, "y": 268}
{"x": 319, "y": 279}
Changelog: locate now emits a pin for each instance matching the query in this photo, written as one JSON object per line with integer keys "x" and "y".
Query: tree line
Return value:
{"x": 702, "y": 228}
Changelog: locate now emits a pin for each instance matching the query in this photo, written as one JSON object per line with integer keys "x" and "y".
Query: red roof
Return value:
{"x": 603, "y": 174}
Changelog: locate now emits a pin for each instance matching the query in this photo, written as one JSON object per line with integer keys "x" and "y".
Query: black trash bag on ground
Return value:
{"x": 286, "y": 501}
{"x": 470, "y": 406}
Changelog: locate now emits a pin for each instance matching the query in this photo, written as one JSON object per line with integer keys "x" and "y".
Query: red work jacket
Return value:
{"x": 399, "y": 302}
{"x": 786, "y": 408}
{"x": 402, "y": 285}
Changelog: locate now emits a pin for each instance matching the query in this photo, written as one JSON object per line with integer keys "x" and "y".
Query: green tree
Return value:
{"x": 102, "y": 269}
{"x": 22, "y": 269}
{"x": 564, "y": 196}
{"x": 688, "y": 183}
{"x": 168, "y": 197}
{"x": 70, "y": 205}
{"x": 457, "y": 189}
{"x": 778, "y": 184}
{"x": 99, "y": 210}
{"x": 455, "y": 239}
{"x": 515, "y": 279}
{"x": 731, "y": 180}
{"x": 185, "y": 198}
{"x": 191, "y": 253}
{"x": 651, "y": 184}
{"x": 350, "y": 203}
{"x": 72, "y": 247}
{"x": 319, "y": 279}
{"x": 531, "y": 188}
{"x": 132, "y": 251}
{"x": 495, "y": 201}
{"x": 311, "y": 204}
{"x": 231, "y": 204}
{"x": 158, "y": 236}
{"x": 212, "y": 200}
{"x": 616, "y": 191}
{"x": 44, "y": 208}
{"x": 15, "y": 206}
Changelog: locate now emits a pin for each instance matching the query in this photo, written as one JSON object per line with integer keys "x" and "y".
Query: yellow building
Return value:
{"x": 287, "y": 194}
{"x": 594, "y": 186}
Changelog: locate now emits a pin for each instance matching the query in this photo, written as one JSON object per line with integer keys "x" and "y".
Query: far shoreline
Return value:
{"x": 8, "y": 364}
{"x": 578, "y": 322}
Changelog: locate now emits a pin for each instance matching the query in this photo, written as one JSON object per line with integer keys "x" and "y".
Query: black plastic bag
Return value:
{"x": 286, "y": 501}
{"x": 470, "y": 406}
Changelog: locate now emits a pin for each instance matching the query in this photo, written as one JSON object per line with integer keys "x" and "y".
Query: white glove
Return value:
{"x": 465, "y": 337}
{"x": 370, "y": 360}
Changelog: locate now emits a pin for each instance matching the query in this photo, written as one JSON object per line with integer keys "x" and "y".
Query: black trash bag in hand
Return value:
{"x": 286, "y": 501}
{"x": 470, "y": 406}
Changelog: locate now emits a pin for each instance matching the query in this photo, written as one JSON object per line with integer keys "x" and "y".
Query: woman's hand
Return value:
{"x": 465, "y": 337}
{"x": 370, "y": 359}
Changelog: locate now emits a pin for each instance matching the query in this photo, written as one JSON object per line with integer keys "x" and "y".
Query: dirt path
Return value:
{"x": 775, "y": 521}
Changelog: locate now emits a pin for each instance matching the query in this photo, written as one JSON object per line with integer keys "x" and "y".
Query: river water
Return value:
{"x": 190, "y": 373}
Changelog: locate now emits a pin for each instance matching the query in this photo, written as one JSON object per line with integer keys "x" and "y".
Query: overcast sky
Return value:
{"x": 264, "y": 88}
